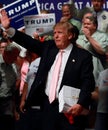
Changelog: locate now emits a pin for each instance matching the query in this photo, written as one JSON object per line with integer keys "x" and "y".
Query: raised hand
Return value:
{"x": 5, "y": 20}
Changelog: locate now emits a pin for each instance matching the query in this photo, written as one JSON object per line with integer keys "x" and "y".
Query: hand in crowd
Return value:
{"x": 64, "y": 19}
{"x": 86, "y": 32}
{"x": 5, "y": 21}
{"x": 37, "y": 37}
{"x": 16, "y": 115}
{"x": 22, "y": 104}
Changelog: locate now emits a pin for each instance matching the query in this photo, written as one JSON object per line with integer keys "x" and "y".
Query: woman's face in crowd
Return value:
{"x": 89, "y": 25}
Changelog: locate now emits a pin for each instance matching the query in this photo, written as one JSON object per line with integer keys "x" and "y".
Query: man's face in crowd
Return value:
{"x": 62, "y": 37}
{"x": 2, "y": 47}
{"x": 97, "y": 5}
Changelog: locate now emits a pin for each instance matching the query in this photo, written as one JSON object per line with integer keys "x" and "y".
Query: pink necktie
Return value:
{"x": 55, "y": 77}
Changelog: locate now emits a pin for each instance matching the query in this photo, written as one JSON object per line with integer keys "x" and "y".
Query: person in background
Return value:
{"x": 76, "y": 71}
{"x": 68, "y": 15}
{"x": 95, "y": 42}
{"x": 22, "y": 53}
{"x": 101, "y": 14}
{"x": 28, "y": 81}
{"x": 30, "y": 56}
{"x": 22, "y": 68}
{"x": 101, "y": 95}
{"x": 86, "y": 15}
{"x": 32, "y": 117}
{"x": 98, "y": 11}
{"x": 8, "y": 87}
{"x": 28, "y": 118}
{"x": 3, "y": 44}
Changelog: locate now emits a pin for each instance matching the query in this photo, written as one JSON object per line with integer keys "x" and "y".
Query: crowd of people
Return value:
{"x": 33, "y": 71}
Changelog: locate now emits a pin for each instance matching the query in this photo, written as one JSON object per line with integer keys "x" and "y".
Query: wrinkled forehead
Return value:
{"x": 59, "y": 29}
{"x": 3, "y": 44}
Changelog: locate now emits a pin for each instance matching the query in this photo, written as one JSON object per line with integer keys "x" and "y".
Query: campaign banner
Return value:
{"x": 48, "y": 4}
{"x": 54, "y": 6}
{"x": 80, "y": 4}
{"x": 17, "y": 10}
{"x": 41, "y": 24}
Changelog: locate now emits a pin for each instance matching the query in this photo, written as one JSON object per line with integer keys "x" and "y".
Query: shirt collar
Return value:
{"x": 69, "y": 47}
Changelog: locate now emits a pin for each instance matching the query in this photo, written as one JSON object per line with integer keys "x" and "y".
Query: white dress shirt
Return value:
{"x": 66, "y": 53}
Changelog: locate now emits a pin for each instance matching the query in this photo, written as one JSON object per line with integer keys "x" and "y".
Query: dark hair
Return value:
{"x": 3, "y": 40}
{"x": 75, "y": 32}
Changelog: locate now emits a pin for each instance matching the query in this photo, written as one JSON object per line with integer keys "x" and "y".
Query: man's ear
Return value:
{"x": 71, "y": 36}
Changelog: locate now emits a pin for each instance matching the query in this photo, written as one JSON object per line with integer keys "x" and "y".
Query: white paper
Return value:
{"x": 68, "y": 96}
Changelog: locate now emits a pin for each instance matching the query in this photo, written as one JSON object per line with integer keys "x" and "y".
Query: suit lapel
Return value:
{"x": 51, "y": 57}
{"x": 70, "y": 62}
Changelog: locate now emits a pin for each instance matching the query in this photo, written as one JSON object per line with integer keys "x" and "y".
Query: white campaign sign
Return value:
{"x": 42, "y": 24}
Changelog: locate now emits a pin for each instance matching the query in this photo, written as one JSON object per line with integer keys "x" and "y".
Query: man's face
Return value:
{"x": 62, "y": 37}
{"x": 97, "y": 5}
{"x": 2, "y": 47}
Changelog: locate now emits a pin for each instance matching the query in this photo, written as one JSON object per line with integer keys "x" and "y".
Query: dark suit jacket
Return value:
{"x": 77, "y": 74}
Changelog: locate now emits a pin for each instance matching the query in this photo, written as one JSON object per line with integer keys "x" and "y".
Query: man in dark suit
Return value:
{"x": 76, "y": 71}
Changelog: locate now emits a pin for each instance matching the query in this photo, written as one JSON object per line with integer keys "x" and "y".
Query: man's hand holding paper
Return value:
{"x": 75, "y": 110}
{"x": 68, "y": 98}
